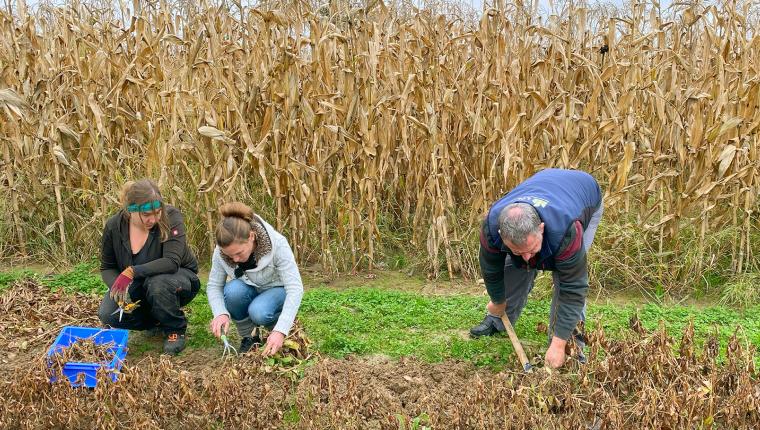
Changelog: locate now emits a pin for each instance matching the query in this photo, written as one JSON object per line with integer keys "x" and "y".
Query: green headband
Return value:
{"x": 145, "y": 207}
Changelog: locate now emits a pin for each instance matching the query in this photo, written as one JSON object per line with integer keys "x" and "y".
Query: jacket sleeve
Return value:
{"x": 285, "y": 264}
{"x": 173, "y": 249}
{"x": 109, "y": 269}
{"x": 572, "y": 270}
{"x": 215, "y": 286}
{"x": 492, "y": 267}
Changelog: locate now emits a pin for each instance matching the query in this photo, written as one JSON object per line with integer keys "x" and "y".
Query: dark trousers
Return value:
{"x": 161, "y": 299}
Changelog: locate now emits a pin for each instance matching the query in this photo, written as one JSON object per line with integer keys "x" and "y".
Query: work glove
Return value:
{"x": 120, "y": 288}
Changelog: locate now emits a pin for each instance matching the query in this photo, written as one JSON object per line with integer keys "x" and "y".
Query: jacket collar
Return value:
{"x": 124, "y": 233}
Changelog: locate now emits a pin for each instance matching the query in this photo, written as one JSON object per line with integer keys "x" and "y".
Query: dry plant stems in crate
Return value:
{"x": 81, "y": 351}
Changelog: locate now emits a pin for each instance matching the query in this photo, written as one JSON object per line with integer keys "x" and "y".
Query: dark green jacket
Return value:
{"x": 163, "y": 257}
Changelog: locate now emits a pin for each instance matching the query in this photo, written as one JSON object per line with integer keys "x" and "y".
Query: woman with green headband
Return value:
{"x": 147, "y": 265}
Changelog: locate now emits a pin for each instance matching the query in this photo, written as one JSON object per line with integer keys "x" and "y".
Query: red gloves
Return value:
{"x": 120, "y": 287}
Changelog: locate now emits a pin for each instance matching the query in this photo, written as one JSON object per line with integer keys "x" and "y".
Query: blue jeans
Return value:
{"x": 243, "y": 301}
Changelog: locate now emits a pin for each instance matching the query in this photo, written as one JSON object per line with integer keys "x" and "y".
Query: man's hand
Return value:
{"x": 120, "y": 287}
{"x": 274, "y": 343}
{"x": 496, "y": 310}
{"x": 220, "y": 324}
{"x": 555, "y": 355}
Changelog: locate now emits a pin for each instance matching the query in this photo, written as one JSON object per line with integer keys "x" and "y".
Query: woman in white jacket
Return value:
{"x": 264, "y": 287}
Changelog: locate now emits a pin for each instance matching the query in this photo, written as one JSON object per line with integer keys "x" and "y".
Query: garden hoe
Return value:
{"x": 516, "y": 344}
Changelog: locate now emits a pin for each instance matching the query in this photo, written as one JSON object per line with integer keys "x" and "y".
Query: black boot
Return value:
{"x": 174, "y": 343}
{"x": 488, "y": 327}
{"x": 249, "y": 342}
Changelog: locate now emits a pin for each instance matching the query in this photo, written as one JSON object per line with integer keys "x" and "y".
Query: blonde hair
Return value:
{"x": 235, "y": 225}
{"x": 141, "y": 192}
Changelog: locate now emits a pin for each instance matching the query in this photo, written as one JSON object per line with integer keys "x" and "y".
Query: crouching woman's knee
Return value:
{"x": 266, "y": 309}
{"x": 170, "y": 288}
{"x": 161, "y": 286}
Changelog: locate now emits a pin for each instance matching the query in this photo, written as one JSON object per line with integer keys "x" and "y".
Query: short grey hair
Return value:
{"x": 517, "y": 221}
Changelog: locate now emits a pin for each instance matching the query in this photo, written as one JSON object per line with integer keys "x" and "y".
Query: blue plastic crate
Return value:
{"x": 71, "y": 370}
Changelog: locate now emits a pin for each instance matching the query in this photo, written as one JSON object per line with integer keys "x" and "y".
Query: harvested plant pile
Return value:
{"x": 151, "y": 394}
{"x": 31, "y": 314}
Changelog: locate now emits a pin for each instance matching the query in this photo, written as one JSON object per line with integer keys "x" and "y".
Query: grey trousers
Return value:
{"x": 518, "y": 283}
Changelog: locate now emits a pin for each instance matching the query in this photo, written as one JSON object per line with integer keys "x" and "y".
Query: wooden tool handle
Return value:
{"x": 516, "y": 342}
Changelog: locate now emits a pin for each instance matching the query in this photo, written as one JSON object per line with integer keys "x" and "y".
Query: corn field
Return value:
{"x": 341, "y": 124}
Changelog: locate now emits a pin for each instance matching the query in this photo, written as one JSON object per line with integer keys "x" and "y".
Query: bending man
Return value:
{"x": 547, "y": 222}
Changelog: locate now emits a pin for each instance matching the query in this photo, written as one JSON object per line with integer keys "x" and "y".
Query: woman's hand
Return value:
{"x": 274, "y": 343}
{"x": 220, "y": 324}
{"x": 120, "y": 287}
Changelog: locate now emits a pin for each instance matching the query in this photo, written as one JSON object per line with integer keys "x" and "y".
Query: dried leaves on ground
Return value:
{"x": 646, "y": 380}
{"x": 31, "y": 315}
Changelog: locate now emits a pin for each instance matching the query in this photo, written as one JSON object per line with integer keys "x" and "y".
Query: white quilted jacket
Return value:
{"x": 275, "y": 269}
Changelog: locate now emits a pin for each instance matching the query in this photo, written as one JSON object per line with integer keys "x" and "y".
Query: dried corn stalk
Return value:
{"x": 343, "y": 125}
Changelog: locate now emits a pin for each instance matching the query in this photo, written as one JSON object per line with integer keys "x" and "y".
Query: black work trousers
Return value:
{"x": 161, "y": 300}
